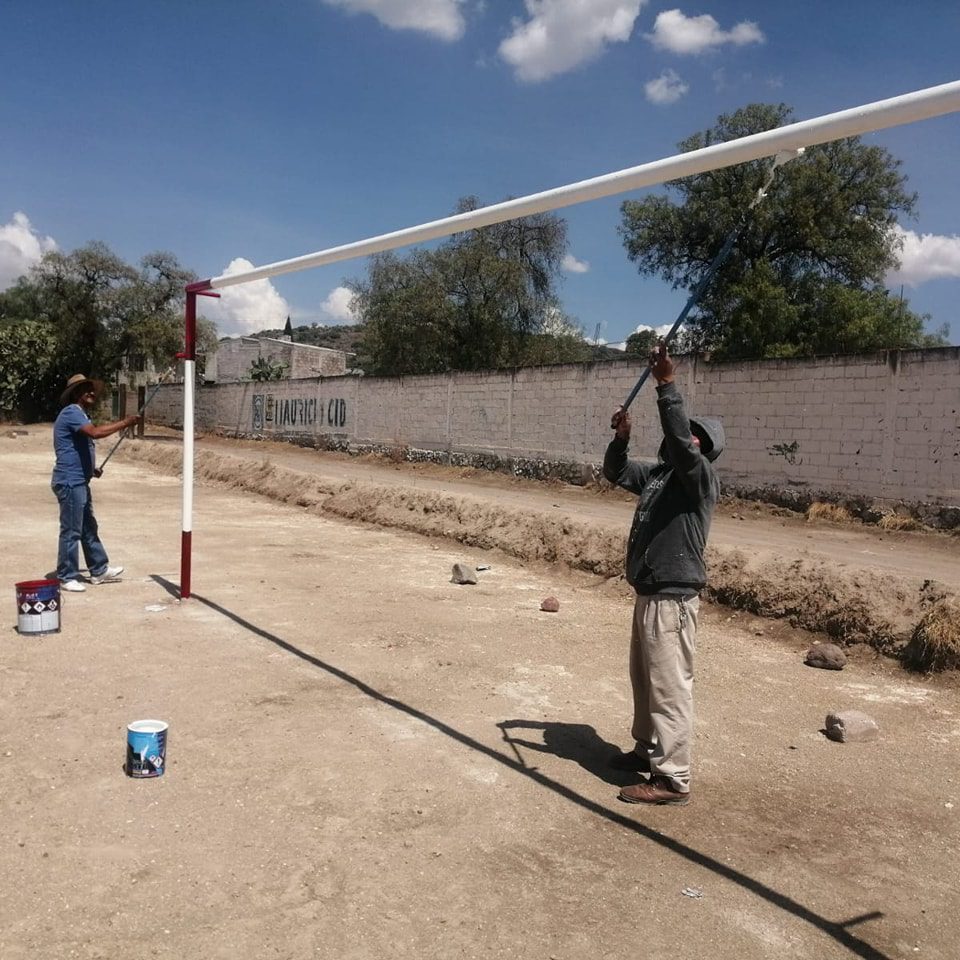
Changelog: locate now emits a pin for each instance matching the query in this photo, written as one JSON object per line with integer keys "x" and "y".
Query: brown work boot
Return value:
{"x": 658, "y": 790}
{"x": 630, "y": 760}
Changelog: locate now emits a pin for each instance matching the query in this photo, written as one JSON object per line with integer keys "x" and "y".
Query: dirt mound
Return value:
{"x": 876, "y": 610}
{"x": 873, "y": 609}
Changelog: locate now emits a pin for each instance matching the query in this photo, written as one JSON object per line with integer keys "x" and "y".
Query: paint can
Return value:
{"x": 146, "y": 748}
{"x": 38, "y": 606}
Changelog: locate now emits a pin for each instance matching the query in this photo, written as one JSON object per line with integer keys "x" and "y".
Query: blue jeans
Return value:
{"x": 78, "y": 525}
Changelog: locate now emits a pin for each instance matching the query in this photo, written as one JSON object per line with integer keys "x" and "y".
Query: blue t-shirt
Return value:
{"x": 76, "y": 452}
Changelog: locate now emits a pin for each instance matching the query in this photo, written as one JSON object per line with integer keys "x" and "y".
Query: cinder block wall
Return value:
{"x": 884, "y": 425}
{"x": 233, "y": 358}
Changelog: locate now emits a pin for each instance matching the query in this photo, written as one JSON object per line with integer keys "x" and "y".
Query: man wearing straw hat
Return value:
{"x": 73, "y": 443}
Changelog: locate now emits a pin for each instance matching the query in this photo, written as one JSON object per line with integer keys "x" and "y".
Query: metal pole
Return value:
{"x": 785, "y": 156}
{"x": 140, "y": 410}
{"x": 189, "y": 357}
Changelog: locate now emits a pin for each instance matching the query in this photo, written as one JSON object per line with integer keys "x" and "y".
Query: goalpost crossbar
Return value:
{"x": 908, "y": 108}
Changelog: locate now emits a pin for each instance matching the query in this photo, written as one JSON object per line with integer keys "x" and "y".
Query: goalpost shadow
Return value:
{"x": 837, "y": 930}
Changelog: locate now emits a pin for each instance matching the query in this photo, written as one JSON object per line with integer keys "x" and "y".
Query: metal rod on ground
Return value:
{"x": 143, "y": 407}
{"x": 783, "y": 157}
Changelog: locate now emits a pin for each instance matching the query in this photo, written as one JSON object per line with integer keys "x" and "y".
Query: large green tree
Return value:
{"x": 91, "y": 312}
{"x": 806, "y": 274}
{"x": 484, "y": 298}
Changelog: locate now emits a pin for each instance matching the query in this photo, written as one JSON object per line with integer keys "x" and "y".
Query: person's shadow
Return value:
{"x": 571, "y": 741}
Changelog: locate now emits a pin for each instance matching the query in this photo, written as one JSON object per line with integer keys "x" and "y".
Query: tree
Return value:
{"x": 806, "y": 273}
{"x": 101, "y": 314}
{"x": 27, "y": 352}
{"x": 641, "y": 343}
{"x": 482, "y": 299}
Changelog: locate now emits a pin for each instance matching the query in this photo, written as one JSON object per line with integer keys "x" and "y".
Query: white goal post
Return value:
{"x": 908, "y": 108}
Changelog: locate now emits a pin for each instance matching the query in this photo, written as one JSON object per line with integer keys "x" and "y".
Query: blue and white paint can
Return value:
{"x": 146, "y": 748}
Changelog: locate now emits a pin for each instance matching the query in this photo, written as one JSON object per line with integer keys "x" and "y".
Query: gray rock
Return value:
{"x": 550, "y": 605}
{"x": 827, "y": 656}
{"x": 463, "y": 574}
{"x": 851, "y": 726}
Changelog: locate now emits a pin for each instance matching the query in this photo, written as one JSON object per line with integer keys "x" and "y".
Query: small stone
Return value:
{"x": 851, "y": 726}
{"x": 550, "y": 605}
{"x": 463, "y": 574}
{"x": 827, "y": 656}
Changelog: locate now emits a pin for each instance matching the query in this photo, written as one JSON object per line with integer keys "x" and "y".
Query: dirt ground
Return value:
{"x": 367, "y": 760}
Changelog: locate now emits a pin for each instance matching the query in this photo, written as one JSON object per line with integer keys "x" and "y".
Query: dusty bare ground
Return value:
{"x": 367, "y": 760}
{"x": 815, "y": 576}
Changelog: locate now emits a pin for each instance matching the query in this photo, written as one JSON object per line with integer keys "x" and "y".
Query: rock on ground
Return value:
{"x": 462, "y": 573}
{"x": 827, "y": 656}
{"x": 851, "y": 726}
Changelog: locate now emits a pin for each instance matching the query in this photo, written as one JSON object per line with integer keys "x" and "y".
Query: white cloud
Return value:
{"x": 660, "y": 331}
{"x": 440, "y": 18}
{"x": 562, "y": 34}
{"x": 247, "y": 307}
{"x": 337, "y": 305}
{"x": 925, "y": 256}
{"x": 20, "y": 248}
{"x": 678, "y": 33}
{"x": 667, "y": 88}
{"x": 572, "y": 265}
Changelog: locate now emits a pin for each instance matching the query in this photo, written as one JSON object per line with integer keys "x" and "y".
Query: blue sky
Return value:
{"x": 260, "y": 131}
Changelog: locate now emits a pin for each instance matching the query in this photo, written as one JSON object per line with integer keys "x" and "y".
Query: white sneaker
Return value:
{"x": 111, "y": 573}
{"x": 72, "y": 586}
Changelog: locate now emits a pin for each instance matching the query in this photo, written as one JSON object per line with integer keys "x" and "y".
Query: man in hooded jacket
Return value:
{"x": 665, "y": 566}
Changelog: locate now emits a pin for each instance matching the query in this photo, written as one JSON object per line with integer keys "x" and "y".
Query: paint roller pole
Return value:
{"x": 784, "y": 156}
{"x": 144, "y": 406}
{"x": 694, "y": 297}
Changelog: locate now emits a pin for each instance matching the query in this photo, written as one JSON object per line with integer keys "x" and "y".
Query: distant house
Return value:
{"x": 234, "y": 357}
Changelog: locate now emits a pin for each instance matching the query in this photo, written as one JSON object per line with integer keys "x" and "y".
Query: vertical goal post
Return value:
{"x": 880, "y": 115}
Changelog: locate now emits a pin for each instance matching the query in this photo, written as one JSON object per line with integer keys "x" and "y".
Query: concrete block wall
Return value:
{"x": 884, "y": 425}
{"x": 232, "y": 360}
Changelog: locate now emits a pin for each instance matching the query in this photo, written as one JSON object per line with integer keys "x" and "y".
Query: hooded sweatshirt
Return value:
{"x": 665, "y": 550}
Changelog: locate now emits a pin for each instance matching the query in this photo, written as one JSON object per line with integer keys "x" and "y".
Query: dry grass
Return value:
{"x": 894, "y": 521}
{"x": 935, "y": 644}
{"x": 832, "y": 512}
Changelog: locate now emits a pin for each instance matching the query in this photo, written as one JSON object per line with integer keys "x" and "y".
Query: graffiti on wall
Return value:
{"x": 271, "y": 412}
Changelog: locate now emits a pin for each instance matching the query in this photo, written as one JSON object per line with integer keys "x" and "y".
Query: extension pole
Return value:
{"x": 693, "y": 299}
{"x": 785, "y": 156}
{"x": 143, "y": 407}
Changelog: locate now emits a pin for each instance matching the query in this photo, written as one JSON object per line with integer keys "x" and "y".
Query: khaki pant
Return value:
{"x": 661, "y": 674}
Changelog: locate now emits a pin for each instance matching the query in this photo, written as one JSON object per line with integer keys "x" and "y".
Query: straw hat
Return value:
{"x": 74, "y": 384}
